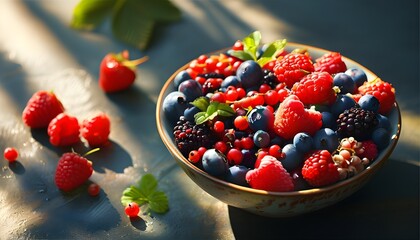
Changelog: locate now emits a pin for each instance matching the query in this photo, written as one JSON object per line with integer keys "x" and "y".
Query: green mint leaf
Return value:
{"x": 264, "y": 60}
{"x": 251, "y": 43}
{"x": 212, "y": 108}
{"x": 158, "y": 202}
{"x": 227, "y": 109}
{"x": 201, "y": 103}
{"x": 213, "y": 115}
{"x": 88, "y": 14}
{"x": 200, "y": 118}
{"x": 146, "y": 193}
{"x": 274, "y": 49}
{"x": 241, "y": 55}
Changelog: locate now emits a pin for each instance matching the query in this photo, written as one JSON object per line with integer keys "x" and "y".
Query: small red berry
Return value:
{"x": 132, "y": 209}
{"x": 219, "y": 126}
{"x": 221, "y": 146}
{"x": 11, "y": 154}
{"x": 247, "y": 143}
{"x": 201, "y": 151}
{"x": 238, "y": 46}
{"x": 234, "y": 156}
{"x": 241, "y": 123}
{"x": 194, "y": 156}
{"x": 218, "y": 97}
{"x": 94, "y": 189}
{"x": 275, "y": 151}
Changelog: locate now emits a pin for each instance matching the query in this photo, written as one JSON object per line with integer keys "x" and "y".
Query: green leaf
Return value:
{"x": 251, "y": 43}
{"x": 274, "y": 49}
{"x": 242, "y": 55}
{"x": 88, "y": 14}
{"x": 212, "y": 108}
{"x": 146, "y": 193}
{"x": 158, "y": 202}
{"x": 213, "y": 115}
{"x": 201, "y": 103}
{"x": 129, "y": 25}
{"x": 264, "y": 60}
{"x": 226, "y": 108}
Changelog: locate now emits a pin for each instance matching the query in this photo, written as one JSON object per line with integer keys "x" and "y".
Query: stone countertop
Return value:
{"x": 39, "y": 51}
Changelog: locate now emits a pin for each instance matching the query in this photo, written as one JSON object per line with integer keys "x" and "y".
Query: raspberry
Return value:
{"x": 330, "y": 62}
{"x": 63, "y": 130}
{"x": 356, "y": 122}
{"x": 319, "y": 169}
{"x": 383, "y": 91}
{"x": 41, "y": 108}
{"x": 370, "y": 150}
{"x": 293, "y": 67}
{"x": 270, "y": 176}
{"x": 315, "y": 88}
{"x": 291, "y": 118}
{"x": 72, "y": 171}
{"x": 96, "y": 130}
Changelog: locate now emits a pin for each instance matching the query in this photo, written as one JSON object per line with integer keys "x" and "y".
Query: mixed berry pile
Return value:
{"x": 277, "y": 120}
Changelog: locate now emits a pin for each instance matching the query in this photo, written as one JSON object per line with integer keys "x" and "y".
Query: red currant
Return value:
{"x": 218, "y": 97}
{"x": 11, "y": 154}
{"x": 234, "y": 156}
{"x": 201, "y": 151}
{"x": 241, "y": 123}
{"x": 93, "y": 189}
{"x": 194, "y": 156}
{"x": 221, "y": 146}
{"x": 275, "y": 151}
{"x": 271, "y": 97}
{"x": 264, "y": 88}
{"x": 231, "y": 95}
{"x": 132, "y": 209}
{"x": 238, "y": 46}
{"x": 219, "y": 126}
{"x": 247, "y": 143}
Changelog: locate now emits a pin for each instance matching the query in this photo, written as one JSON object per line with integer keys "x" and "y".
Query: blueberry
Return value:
{"x": 328, "y": 120}
{"x": 326, "y": 139}
{"x": 369, "y": 102}
{"x": 383, "y": 122}
{"x": 249, "y": 158}
{"x": 303, "y": 142}
{"x": 250, "y": 74}
{"x": 345, "y": 83}
{"x": 342, "y": 103}
{"x": 214, "y": 162}
{"x": 260, "y": 118}
{"x": 174, "y": 105}
{"x": 358, "y": 75}
{"x": 292, "y": 158}
{"x": 261, "y": 139}
{"x": 230, "y": 81}
{"x": 191, "y": 88}
{"x": 381, "y": 137}
{"x": 180, "y": 77}
{"x": 236, "y": 174}
{"x": 190, "y": 112}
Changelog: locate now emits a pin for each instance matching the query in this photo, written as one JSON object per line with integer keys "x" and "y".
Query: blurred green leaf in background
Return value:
{"x": 132, "y": 21}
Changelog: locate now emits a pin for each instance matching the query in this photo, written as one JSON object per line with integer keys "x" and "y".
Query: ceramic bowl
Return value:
{"x": 276, "y": 204}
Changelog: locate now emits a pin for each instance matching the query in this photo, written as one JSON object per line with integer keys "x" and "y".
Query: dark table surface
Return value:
{"x": 39, "y": 51}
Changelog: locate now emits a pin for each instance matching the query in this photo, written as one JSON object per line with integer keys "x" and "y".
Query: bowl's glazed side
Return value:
{"x": 275, "y": 204}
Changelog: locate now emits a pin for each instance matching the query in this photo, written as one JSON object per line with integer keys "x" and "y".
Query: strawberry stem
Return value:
{"x": 91, "y": 151}
{"x": 135, "y": 62}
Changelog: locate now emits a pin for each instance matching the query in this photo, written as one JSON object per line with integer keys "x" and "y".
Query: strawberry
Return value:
{"x": 63, "y": 130}
{"x": 41, "y": 108}
{"x": 315, "y": 88}
{"x": 319, "y": 169}
{"x": 96, "y": 130}
{"x": 370, "y": 150}
{"x": 293, "y": 67}
{"x": 270, "y": 176}
{"x": 117, "y": 72}
{"x": 72, "y": 171}
{"x": 292, "y": 117}
{"x": 330, "y": 62}
{"x": 383, "y": 91}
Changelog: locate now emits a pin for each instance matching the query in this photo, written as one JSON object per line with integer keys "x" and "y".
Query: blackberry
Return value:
{"x": 211, "y": 75}
{"x": 189, "y": 136}
{"x": 356, "y": 122}
{"x": 270, "y": 78}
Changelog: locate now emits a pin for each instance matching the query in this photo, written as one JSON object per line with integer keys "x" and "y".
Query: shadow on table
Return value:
{"x": 386, "y": 208}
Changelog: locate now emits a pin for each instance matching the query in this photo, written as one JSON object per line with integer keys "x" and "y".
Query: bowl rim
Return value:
{"x": 176, "y": 153}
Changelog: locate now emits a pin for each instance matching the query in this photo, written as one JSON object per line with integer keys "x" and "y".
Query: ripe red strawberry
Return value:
{"x": 291, "y": 118}
{"x": 293, "y": 67}
{"x": 319, "y": 169}
{"x": 64, "y": 130}
{"x": 96, "y": 130}
{"x": 117, "y": 72}
{"x": 315, "y": 88}
{"x": 270, "y": 176}
{"x": 72, "y": 171}
{"x": 370, "y": 150}
{"x": 41, "y": 108}
{"x": 383, "y": 91}
{"x": 330, "y": 62}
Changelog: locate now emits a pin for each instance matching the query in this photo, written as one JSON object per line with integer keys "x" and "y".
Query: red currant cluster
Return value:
{"x": 220, "y": 64}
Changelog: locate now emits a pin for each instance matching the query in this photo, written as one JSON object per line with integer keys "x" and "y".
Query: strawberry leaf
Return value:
{"x": 274, "y": 49}
{"x": 88, "y": 14}
{"x": 201, "y": 103}
{"x": 242, "y": 55}
{"x": 145, "y": 192}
